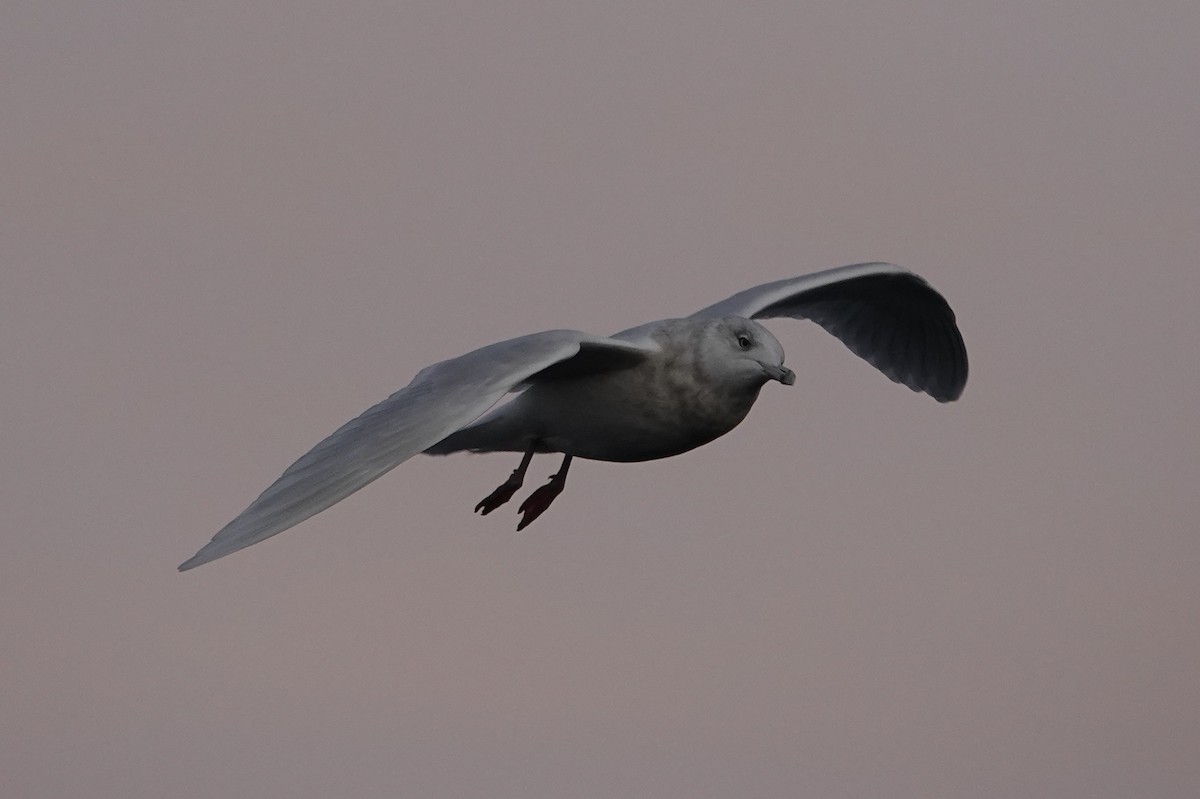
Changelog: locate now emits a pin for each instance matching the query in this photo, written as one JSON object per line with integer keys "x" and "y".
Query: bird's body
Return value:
{"x": 673, "y": 400}
{"x": 653, "y": 391}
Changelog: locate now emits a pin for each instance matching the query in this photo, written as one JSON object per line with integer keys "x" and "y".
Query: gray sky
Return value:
{"x": 228, "y": 227}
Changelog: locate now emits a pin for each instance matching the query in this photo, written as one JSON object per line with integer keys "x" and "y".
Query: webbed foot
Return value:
{"x": 537, "y": 502}
{"x": 506, "y": 489}
{"x": 498, "y": 497}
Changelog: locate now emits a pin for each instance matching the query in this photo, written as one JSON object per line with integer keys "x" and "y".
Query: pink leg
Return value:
{"x": 507, "y": 488}
{"x": 537, "y": 502}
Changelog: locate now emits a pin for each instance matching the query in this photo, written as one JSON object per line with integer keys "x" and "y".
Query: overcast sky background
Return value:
{"x": 228, "y": 227}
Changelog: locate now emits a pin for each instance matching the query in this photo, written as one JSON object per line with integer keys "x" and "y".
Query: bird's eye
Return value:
{"x": 744, "y": 341}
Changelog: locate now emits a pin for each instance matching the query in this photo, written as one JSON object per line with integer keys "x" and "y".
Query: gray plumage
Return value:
{"x": 653, "y": 391}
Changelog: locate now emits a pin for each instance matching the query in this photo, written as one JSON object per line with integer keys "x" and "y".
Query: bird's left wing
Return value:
{"x": 439, "y": 400}
{"x": 884, "y": 313}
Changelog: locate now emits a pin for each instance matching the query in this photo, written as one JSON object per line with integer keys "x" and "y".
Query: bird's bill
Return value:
{"x": 780, "y": 373}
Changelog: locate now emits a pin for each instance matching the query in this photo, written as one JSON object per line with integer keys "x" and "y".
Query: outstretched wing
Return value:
{"x": 439, "y": 400}
{"x": 884, "y": 313}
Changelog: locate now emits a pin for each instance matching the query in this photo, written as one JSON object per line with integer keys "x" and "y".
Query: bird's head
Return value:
{"x": 744, "y": 352}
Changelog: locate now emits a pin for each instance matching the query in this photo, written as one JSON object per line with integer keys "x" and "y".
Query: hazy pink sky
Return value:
{"x": 228, "y": 227}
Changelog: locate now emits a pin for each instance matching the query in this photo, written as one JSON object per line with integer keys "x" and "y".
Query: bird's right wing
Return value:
{"x": 439, "y": 400}
{"x": 885, "y": 314}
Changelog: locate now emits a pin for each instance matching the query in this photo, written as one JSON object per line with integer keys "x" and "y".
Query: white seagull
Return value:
{"x": 648, "y": 392}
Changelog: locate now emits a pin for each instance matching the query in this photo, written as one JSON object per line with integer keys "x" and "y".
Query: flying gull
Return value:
{"x": 649, "y": 392}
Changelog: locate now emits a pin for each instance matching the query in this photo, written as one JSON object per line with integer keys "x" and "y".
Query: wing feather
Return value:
{"x": 439, "y": 400}
{"x": 884, "y": 313}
